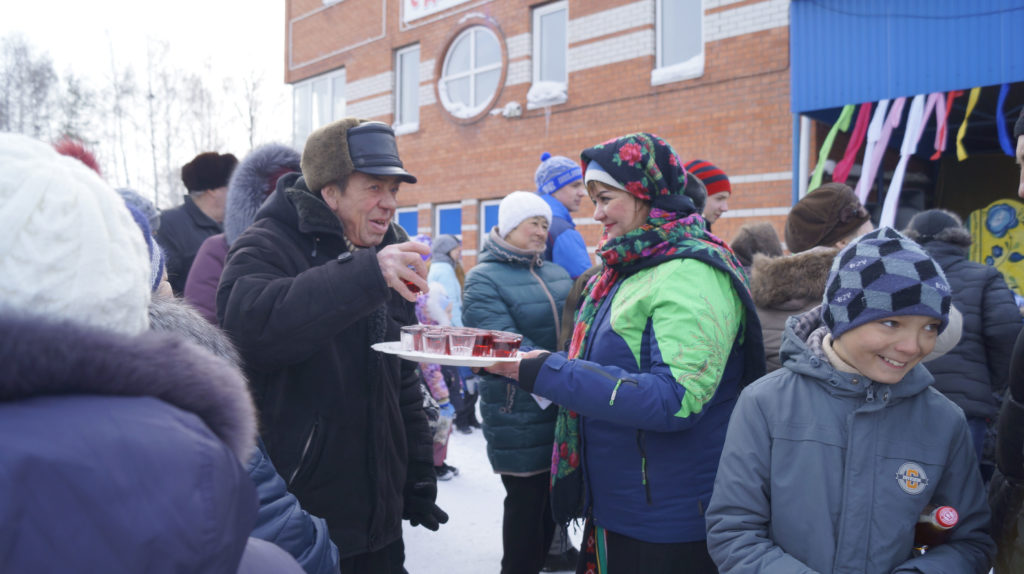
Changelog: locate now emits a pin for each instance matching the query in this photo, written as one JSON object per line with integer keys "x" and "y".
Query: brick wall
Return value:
{"x": 736, "y": 114}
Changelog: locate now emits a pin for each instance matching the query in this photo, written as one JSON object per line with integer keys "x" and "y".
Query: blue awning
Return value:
{"x": 849, "y": 52}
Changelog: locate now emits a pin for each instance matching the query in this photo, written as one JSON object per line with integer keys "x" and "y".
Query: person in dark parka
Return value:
{"x": 308, "y": 288}
{"x": 512, "y": 288}
{"x": 184, "y": 228}
{"x": 1006, "y": 491}
{"x": 973, "y": 374}
{"x": 280, "y": 518}
{"x": 251, "y": 183}
{"x": 120, "y": 449}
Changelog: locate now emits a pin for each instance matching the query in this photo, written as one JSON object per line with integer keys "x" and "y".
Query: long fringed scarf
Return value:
{"x": 666, "y": 235}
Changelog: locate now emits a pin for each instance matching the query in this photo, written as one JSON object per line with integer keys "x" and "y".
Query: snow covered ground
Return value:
{"x": 471, "y": 541}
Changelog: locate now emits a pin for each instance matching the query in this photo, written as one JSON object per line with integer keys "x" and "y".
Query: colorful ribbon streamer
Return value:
{"x": 972, "y": 100}
{"x": 860, "y": 129}
{"x": 842, "y": 124}
{"x": 1004, "y": 137}
{"x": 940, "y": 133}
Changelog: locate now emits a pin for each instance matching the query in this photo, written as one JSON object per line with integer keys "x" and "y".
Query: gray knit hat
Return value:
{"x": 883, "y": 274}
{"x": 555, "y": 172}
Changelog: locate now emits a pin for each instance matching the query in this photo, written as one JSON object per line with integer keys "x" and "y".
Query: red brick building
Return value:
{"x": 453, "y": 77}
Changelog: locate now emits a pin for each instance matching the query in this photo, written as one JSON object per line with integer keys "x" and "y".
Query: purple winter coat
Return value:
{"x": 203, "y": 278}
{"x": 122, "y": 454}
{"x": 251, "y": 182}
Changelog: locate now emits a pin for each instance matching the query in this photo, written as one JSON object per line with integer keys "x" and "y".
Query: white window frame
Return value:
{"x": 538, "y": 14}
{"x": 482, "y": 233}
{"x": 442, "y": 89}
{"x": 438, "y": 208}
{"x": 303, "y": 92}
{"x": 688, "y": 69}
{"x": 404, "y": 125}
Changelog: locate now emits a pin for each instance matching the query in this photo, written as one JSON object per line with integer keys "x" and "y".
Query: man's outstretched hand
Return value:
{"x": 402, "y": 265}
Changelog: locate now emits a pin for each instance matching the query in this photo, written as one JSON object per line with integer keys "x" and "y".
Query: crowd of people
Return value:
{"x": 197, "y": 389}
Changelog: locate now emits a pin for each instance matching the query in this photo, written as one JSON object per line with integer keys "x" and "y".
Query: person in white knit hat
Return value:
{"x": 512, "y": 288}
{"x": 120, "y": 449}
{"x": 519, "y": 206}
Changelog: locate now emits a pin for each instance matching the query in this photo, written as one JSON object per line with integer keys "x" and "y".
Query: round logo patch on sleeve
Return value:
{"x": 911, "y": 478}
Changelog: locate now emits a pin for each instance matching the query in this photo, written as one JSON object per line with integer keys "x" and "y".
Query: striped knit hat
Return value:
{"x": 555, "y": 172}
{"x": 883, "y": 274}
{"x": 714, "y": 179}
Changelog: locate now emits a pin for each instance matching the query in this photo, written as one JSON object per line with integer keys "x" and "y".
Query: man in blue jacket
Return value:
{"x": 560, "y": 183}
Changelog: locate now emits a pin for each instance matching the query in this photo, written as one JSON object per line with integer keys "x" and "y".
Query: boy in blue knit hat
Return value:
{"x": 829, "y": 461}
{"x": 560, "y": 183}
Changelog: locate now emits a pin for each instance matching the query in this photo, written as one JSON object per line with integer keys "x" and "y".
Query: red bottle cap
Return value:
{"x": 946, "y": 516}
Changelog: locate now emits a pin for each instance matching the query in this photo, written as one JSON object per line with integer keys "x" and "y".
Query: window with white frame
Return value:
{"x": 471, "y": 73}
{"x": 317, "y": 102}
{"x": 488, "y": 218}
{"x": 409, "y": 219}
{"x": 550, "y": 55}
{"x": 448, "y": 219}
{"x": 680, "y": 40}
{"x": 407, "y": 88}
{"x": 551, "y": 43}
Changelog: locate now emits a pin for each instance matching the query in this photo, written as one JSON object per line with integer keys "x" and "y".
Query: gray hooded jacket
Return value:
{"x": 826, "y": 471}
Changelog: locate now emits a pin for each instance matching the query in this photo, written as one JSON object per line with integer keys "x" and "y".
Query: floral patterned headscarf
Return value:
{"x": 650, "y": 170}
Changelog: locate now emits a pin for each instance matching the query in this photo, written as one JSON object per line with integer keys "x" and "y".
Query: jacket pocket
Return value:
{"x": 309, "y": 455}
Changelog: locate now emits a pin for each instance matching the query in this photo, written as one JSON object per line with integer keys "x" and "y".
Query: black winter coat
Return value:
{"x": 182, "y": 230}
{"x": 975, "y": 371}
{"x": 1006, "y": 492}
{"x": 341, "y": 422}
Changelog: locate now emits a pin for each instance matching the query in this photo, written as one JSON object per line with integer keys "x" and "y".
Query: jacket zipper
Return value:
{"x": 643, "y": 464}
{"x": 305, "y": 453}
{"x": 618, "y": 382}
{"x": 554, "y": 306}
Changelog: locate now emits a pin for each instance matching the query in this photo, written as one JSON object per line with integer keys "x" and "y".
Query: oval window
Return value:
{"x": 472, "y": 72}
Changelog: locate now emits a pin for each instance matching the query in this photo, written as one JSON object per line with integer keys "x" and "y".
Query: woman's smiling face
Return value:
{"x": 618, "y": 211}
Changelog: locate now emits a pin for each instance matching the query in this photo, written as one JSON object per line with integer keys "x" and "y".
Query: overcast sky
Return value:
{"x": 233, "y": 35}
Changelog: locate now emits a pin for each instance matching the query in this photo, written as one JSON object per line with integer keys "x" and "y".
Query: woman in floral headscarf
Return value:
{"x": 666, "y": 337}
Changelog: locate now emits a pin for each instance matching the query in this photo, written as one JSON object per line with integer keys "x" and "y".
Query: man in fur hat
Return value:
{"x": 321, "y": 275}
{"x": 184, "y": 228}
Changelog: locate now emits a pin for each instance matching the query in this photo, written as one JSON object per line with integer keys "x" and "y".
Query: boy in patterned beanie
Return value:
{"x": 848, "y": 437}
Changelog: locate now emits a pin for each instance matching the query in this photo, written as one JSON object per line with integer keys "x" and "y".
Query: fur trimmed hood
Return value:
{"x": 43, "y": 357}
{"x": 251, "y": 184}
{"x": 801, "y": 277}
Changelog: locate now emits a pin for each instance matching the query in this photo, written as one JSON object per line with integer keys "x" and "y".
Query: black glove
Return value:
{"x": 420, "y": 494}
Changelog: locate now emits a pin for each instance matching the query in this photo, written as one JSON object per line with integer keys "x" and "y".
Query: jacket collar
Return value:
{"x": 557, "y": 209}
{"x": 312, "y": 216}
{"x": 497, "y": 249}
{"x": 791, "y": 281}
{"x": 198, "y": 217}
{"x": 43, "y": 356}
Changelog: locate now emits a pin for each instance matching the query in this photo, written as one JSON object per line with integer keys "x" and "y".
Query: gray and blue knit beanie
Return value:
{"x": 883, "y": 274}
{"x": 156, "y": 254}
{"x": 555, "y": 172}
